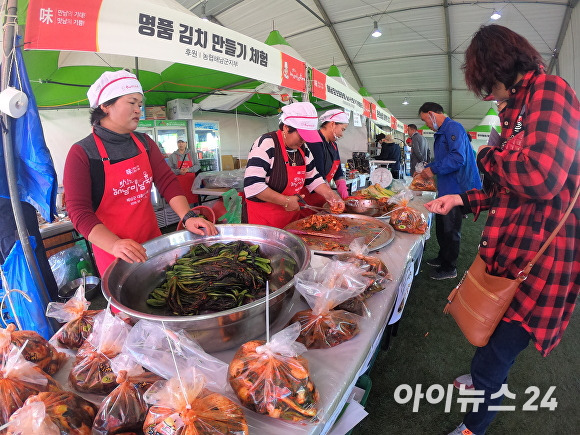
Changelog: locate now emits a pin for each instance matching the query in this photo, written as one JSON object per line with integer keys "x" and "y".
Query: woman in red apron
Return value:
{"x": 280, "y": 166}
{"x": 182, "y": 165}
{"x": 108, "y": 176}
{"x": 326, "y": 156}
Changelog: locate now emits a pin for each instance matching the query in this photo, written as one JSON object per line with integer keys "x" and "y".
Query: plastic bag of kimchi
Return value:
{"x": 185, "y": 407}
{"x": 273, "y": 378}
{"x": 77, "y": 318}
{"x": 37, "y": 350}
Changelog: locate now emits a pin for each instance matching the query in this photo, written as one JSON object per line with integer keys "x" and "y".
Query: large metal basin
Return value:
{"x": 128, "y": 285}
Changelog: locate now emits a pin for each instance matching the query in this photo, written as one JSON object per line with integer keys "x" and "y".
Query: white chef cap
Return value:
{"x": 303, "y": 117}
{"x": 334, "y": 115}
{"x": 113, "y": 84}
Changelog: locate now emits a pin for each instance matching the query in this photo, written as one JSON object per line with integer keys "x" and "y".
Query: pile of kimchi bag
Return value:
{"x": 371, "y": 267}
{"x": 272, "y": 378}
{"x": 37, "y": 350}
{"x": 20, "y": 379}
{"x": 324, "y": 288}
{"x": 183, "y": 406}
{"x": 91, "y": 372}
{"x": 421, "y": 181}
{"x": 77, "y": 317}
{"x": 53, "y": 413}
{"x": 405, "y": 218}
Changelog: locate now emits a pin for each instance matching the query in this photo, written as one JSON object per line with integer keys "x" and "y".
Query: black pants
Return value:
{"x": 9, "y": 235}
{"x": 448, "y": 231}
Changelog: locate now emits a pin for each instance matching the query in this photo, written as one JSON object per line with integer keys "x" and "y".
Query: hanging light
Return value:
{"x": 405, "y": 102}
{"x": 376, "y": 32}
{"x": 203, "y": 15}
{"x": 495, "y": 16}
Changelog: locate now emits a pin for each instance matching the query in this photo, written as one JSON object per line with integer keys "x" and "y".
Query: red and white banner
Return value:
{"x": 318, "y": 84}
{"x": 144, "y": 29}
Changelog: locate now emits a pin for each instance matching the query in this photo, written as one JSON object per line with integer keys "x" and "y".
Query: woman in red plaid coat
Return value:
{"x": 530, "y": 178}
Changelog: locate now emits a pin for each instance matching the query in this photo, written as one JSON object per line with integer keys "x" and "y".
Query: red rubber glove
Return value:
{"x": 341, "y": 188}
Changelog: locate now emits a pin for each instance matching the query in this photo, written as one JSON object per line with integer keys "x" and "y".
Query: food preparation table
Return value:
{"x": 336, "y": 370}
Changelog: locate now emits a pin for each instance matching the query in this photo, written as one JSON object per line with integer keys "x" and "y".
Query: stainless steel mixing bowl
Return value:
{"x": 128, "y": 285}
{"x": 369, "y": 207}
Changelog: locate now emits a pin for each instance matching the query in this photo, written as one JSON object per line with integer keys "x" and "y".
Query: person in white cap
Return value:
{"x": 333, "y": 123}
{"x": 108, "y": 176}
{"x": 280, "y": 165}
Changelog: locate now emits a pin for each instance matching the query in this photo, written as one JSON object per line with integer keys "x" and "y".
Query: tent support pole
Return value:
{"x": 7, "y": 57}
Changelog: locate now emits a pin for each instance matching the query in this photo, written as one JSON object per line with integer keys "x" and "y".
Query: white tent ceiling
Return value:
{"x": 421, "y": 49}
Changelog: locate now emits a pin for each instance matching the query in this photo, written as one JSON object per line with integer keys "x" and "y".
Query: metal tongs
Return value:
{"x": 303, "y": 204}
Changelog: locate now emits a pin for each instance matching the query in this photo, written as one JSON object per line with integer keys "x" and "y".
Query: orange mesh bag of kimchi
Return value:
{"x": 324, "y": 288}
{"x": 53, "y": 413}
{"x": 20, "y": 379}
{"x": 78, "y": 320}
{"x": 273, "y": 378}
{"x": 91, "y": 372}
{"x": 187, "y": 408}
{"x": 37, "y": 350}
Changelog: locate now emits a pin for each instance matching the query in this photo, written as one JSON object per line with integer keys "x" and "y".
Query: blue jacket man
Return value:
{"x": 456, "y": 171}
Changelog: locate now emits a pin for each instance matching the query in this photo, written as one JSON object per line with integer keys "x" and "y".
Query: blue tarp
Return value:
{"x": 36, "y": 177}
{"x": 30, "y": 314}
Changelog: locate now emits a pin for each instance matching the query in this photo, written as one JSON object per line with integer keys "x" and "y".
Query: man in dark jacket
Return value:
{"x": 418, "y": 147}
{"x": 390, "y": 151}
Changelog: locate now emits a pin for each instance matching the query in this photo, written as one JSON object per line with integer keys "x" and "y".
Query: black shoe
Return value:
{"x": 440, "y": 274}
{"x": 435, "y": 262}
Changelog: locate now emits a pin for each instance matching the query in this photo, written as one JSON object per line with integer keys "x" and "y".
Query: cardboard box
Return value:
{"x": 155, "y": 112}
{"x": 180, "y": 109}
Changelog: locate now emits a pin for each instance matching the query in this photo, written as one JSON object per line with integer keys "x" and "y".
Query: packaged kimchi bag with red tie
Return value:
{"x": 91, "y": 372}
{"x": 53, "y": 413}
{"x": 324, "y": 288}
{"x": 183, "y": 406}
{"x": 273, "y": 378}
{"x": 20, "y": 379}
{"x": 77, "y": 318}
{"x": 37, "y": 350}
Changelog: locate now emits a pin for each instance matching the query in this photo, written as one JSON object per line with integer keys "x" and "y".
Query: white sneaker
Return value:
{"x": 465, "y": 381}
{"x": 461, "y": 430}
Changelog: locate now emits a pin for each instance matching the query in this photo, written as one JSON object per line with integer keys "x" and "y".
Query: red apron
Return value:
{"x": 266, "y": 213}
{"x": 125, "y": 208}
{"x": 186, "y": 180}
{"x": 315, "y": 199}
